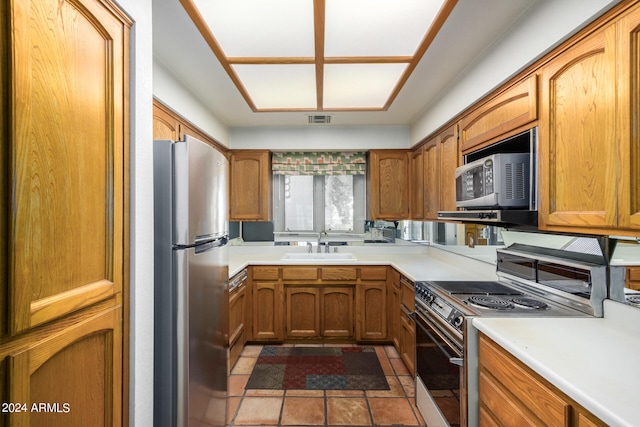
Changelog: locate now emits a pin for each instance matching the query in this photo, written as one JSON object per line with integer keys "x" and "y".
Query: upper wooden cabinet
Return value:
{"x": 250, "y": 185}
{"x": 589, "y": 142}
{"x": 441, "y": 158}
{"x": 165, "y": 123}
{"x": 417, "y": 184}
{"x": 389, "y": 190}
{"x": 507, "y": 112}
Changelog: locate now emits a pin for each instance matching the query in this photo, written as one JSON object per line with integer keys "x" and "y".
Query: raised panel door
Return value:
{"x": 371, "y": 311}
{"x": 336, "y": 306}
{"x": 577, "y": 139}
{"x": 449, "y": 161}
{"x": 629, "y": 120}
{"x": 417, "y": 184}
{"x": 432, "y": 179}
{"x": 68, "y": 151}
{"x": 389, "y": 194}
{"x": 303, "y": 312}
{"x": 268, "y": 305}
{"x": 165, "y": 124}
{"x": 249, "y": 186}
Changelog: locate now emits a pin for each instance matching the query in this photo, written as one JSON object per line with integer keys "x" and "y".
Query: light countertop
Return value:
{"x": 416, "y": 262}
{"x": 592, "y": 360}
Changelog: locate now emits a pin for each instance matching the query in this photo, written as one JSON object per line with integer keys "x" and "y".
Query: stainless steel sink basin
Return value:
{"x": 316, "y": 257}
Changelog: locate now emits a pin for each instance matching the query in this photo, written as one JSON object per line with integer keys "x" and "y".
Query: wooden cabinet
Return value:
{"x": 303, "y": 312}
{"x": 589, "y": 144}
{"x": 64, "y": 186}
{"x": 510, "y": 393}
{"x": 407, "y": 332}
{"x": 267, "y": 304}
{"x": 237, "y": 317}
{"x": 393, "y": 310}
{"x": 388, "y": 186}
{"x": 633, "y": 278}
{"x": 506, "y": 113}
{"x": 336, "y": 312}
{"x": 250, "y": 185}
{"x": 417, "y": 184}
{"x": 441, "y": 158}
{"x": 166, "y": 124}
{"x": 319, "y": 312}
{"x": 371, "y": 311}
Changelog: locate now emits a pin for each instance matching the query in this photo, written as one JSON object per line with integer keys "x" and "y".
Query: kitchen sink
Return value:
{"x": 315, "y": 257}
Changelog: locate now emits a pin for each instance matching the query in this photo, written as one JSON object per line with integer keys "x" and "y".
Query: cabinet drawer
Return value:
{"x": 265, "y": 273}
{"x": 235, "y": 350}
{"x": 550, "y": 407}
{"x": 300, "y": 273}
{"x": 373, "y": 273}
{"x": 407, "y": 294}
{"x": 338, "y": 273}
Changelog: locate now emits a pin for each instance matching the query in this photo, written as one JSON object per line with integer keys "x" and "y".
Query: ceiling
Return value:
{"x": 471, "y": 28}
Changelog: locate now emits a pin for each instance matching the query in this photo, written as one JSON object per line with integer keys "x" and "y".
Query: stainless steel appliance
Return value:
{"x": 532, "y": 282}
{"x": 191, "y": 276}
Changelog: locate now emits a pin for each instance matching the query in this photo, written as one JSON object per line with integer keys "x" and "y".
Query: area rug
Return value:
{"x": 318, "y": 368}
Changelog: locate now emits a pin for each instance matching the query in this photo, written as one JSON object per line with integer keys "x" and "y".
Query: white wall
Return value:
{"x": 141, "y": 269}
{"x": 176, "y": 96}
{"x": 316, "y": 137}
{"x": 543, "y": 27}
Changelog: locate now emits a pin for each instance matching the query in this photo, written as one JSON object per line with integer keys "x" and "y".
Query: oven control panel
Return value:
{"x": 426, "y": 299}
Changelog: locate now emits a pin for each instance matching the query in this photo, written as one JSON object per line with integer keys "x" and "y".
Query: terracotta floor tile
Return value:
{"x": 259, "y": 410}
{"x": 305, "y": 393}
{"x": 408, "y": 384}
{"x": 303, "y": 411}
{"x": 392, "y": 353}
{"x": 244, "y": 365}
{"x": 345, "y": 393}
{"x": 399, "y": 367}
{"x": 251, "y": 350}
{"x": 348, "y": 411}
{"x": 392, "y": 410}
{"x": 395, "y": 389}
{"x": 232, "y": 407}
{"x": 264, "y": 393}
{"x": 237, "y": 384}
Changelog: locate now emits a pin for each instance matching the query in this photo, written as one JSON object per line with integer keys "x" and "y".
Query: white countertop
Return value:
{"x": 416, "y": 262}
{"x": 592, "y": 360}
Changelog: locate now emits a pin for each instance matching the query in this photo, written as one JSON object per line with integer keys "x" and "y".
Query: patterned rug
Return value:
{"x": 318, "y": 368}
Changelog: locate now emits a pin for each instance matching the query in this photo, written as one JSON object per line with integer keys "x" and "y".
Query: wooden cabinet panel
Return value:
{"x": 407, "y": 293}
{"x": 336, "y": 307}
{"x": 339, "y": 273}
{"x": 408, "y": 340}
{"x": 300, "y": 273}
{"x": 165, "y": 123}
{"x": 633, "y": 278}
{"x": 505, "y": 410}
{"x": 509, "y": 110}
{"x": 441, "y": 158}
{"x": 265, "y": 273}
{"x": 268, "y": 307}
{"x": 628, "y": 120}
{"x": 303, "y": 312}
{"x": 432, "y": 187}
{"x": 417, "y": 184}
{"x": 373, "y": 273}
{"x": 388, "y": 189}
{"x": 250, "y": 185}
{"x": 79, "y": 367}
{"x": 69, "y": 146}
{"x": 237, "y": 321}
{"x": 577, "y": 157}
{"x": 371, "y": 311}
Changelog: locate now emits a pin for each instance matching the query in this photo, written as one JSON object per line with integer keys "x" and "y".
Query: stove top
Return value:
{"x": 475, "y": 288}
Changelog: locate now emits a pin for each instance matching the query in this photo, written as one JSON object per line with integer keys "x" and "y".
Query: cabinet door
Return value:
{"x": 67, "y": 201}
{"x": 303, "y": 312}
{"x": 629, "y": 120}
{"x": 336, "y": 306}
{"x": 249, "y": 187}
{"x": 268, "y": 304}
{"x": 77, "y": 371}
{"x": 417, "y": 184}
{"x": 449, "y": 161}
{"x": 371, "y": 311}
{"x": 577, "y": 141}
{"x": 237, "y": 320}
{"x": 432, "y": 179}
{"x": 408, "y": 340}
{"x": 165, "y": 124}
{"x": 389, "y": 184}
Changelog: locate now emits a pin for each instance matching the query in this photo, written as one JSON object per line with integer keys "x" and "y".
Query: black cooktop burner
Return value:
{"x": 633, "y": 299}
{"x": 476, "y": 288}
{"x": 527, "y": 302}
{"x": 489, "y": 301}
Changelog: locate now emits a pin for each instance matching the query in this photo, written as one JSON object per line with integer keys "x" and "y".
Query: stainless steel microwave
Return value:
{"x": 494, "y": 182}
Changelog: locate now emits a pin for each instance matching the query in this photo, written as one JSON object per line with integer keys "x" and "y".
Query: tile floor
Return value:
{"x": 324, "y": 407}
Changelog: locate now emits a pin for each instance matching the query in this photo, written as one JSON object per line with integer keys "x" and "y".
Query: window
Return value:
{"x": 319, "y": 203}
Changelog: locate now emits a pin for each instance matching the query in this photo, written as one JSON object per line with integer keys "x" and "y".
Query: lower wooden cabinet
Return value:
{"x": 66, "y": 374}
{"x": 319, "y": 312}
{"x": 303, "y": 312}
{"x": 267, "y": 313}
{"x": 512, "y": 394}
{"x": 336, "y": 309}
{"x": 237, "y": 322}
{"x": 371, "y": 311}
{"x": 633, "y": 278}
{"x": 408, "y": 340}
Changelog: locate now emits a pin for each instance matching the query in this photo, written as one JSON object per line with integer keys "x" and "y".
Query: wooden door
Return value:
{"x": 417, "y": 184}
{"x": 165, "y": 124}
{"x": 432, "y": 179}
{"x": 389, "y": 191}
{"x": 303, "y": 312}
{"x": 249, "y": 187}
{"x": 577, "y": 140}
{"x": 68, "y": 153}
{"x": 336, "y": 307}
{"x": 629, "y": 120}
{"x": 449, "y": 161}
{"x": 371, "y": 311}
{"x": 408, "y": 340}
{"x": 268, "y": 303}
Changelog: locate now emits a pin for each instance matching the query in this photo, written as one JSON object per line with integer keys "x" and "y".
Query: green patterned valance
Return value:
{"x": 319, "y": 163}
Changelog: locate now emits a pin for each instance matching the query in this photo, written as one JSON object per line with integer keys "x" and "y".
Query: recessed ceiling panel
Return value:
{"x": 278, "y": 86}
{"x": 359, "y": 85}
{"x": 260, "y": 28}
{"x": 377, "y": 27}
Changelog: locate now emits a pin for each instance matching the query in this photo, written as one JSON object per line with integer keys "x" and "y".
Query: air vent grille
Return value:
{"x": 319, "y": 120}
{"x": 509, "y": 181}
{"x": 520, "y": 181}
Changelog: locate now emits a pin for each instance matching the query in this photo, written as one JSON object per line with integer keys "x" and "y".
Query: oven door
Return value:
{"x": 440, "y": 394}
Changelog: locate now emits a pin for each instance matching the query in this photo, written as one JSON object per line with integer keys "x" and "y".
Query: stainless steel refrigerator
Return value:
{"x": 191, "y": 277}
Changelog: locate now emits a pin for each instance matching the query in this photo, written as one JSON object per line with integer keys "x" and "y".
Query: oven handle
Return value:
{"x": 458, "y": 361}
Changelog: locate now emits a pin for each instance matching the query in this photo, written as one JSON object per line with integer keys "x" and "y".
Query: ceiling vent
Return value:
{"x": 319, "y": 120}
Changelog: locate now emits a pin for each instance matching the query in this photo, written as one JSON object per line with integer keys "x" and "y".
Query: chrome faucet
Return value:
{"x": 310, "y": 246}
{"x": 320, "y": 238}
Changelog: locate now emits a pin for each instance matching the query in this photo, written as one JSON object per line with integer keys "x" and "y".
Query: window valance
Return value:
{"x": 320, "y": 163}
